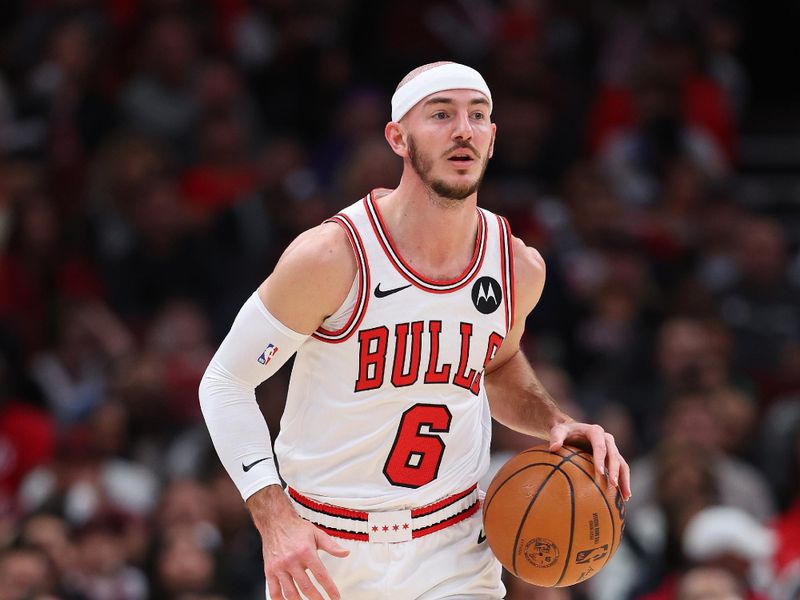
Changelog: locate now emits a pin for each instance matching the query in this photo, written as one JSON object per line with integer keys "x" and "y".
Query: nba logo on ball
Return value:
{"x": 267, "y": 354}
{"x": 550, "y": 519}
{"x": 541, "y": 552}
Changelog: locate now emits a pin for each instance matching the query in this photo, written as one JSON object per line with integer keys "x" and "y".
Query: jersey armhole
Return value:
{"x": 355, "y": 304}
{"x": 507, "y": 267}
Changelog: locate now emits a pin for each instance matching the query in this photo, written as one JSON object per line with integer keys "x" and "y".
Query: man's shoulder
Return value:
{"x": 311, "y": 279}
{"x": 529, "y": 274}
{"x": 529, "y": 265}
{"x": 322, "y": 247}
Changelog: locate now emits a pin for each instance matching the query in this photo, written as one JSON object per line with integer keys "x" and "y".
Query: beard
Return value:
{"x": 422, "y": 164}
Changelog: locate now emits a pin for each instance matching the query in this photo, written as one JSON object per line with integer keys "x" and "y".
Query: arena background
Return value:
{"x": 156, "y": 156}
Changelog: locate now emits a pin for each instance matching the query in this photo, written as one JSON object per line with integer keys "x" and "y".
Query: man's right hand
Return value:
{"x": 290, "y": 546}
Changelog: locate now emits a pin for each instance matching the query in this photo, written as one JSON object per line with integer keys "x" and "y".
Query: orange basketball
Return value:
{"x": 550, "y": 520}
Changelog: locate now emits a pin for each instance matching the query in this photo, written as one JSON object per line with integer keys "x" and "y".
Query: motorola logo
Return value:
{"x": 486, "y": 295}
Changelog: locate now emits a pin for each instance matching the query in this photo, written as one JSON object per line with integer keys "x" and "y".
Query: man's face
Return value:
{"x": 450, "y": 140}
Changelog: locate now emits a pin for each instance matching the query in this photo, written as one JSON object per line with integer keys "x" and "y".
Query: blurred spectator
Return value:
{"x": 27, "y": 440}
{"x": 223, "y": 174}
{"x": 88, "y": 338}
{"x": 65, "y": 91}
{"x": 160, "y": 100}
{"x": 639, "y": 156}
{"x": 729, "y": 538}
{"x": 527, "y": 148}
{"x": 723, "y": 33}
{"x": 88, "y": 477}
{"x": 689, "y": 418}
{"x": 183, "y": 566}
{"x": 166, "y": 262}
{"x": 121, "y": 172}
{"x": 25, "y": 572}
{"x": 709, "y": 583}
{"x": 787, "y": 525}
{"x": 188, "y": 537}
{"x": 372, "y": 165}
{"x": 179, "y": 340}
{"x": 684, "y": 482}
{"x": 718, "y": 242}
{"x": 240, "y": 564}
{"x": 101, "y": 572}
{"x": 663, "y": 71}
{"x": 762, "y": 307}
{"x": 359, "y": 119}
{"x": 50, "y": 533}
{"x": 222, "y": 90}
{"x": 689, "y": 355}
{"x": 38, "y": 270}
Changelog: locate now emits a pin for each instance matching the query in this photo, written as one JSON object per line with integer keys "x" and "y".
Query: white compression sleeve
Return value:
{"x": 256, "y": 347}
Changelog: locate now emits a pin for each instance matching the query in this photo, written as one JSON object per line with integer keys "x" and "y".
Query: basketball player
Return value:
{"x": 406, "y": 312}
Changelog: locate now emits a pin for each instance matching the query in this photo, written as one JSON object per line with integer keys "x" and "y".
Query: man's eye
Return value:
{"x": 440, "y": 115}
{"x": 478, "y": 115}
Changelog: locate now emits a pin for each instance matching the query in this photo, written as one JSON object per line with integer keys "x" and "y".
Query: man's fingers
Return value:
{"x": 288, "y": 587}
{"x": 274, "y": 588}
{"x": 606, "y": 456}
{"x": 625, "y": 480}
{"x": 613, "y": 458}
{"x": 323, "y": 578}
{"x": 596, "y": 436}
{"x": 557, "y": 436}
{"x": 329, "y": 545}
{"x": 303, "y": 582}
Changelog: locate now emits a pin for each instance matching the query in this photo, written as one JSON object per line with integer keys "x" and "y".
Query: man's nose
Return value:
{"x": 462, "y": 128}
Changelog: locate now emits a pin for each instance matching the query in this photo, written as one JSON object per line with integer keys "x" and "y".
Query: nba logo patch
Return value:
{"x": 267, "y": 354}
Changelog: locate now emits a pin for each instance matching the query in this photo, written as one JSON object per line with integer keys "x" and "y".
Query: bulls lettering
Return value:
{"x": 417, "y": 342}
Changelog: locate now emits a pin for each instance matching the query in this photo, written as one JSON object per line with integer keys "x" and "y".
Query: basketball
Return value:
{"x": 550, "y": 519}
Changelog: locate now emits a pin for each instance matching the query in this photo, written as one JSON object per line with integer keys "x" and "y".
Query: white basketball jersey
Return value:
{"x": 389, "y": 410}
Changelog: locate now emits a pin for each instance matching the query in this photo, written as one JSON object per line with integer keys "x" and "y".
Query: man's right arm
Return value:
{"x": 310, "y": 281}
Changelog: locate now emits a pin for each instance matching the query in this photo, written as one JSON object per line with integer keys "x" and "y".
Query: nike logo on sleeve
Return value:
{"x": 246, "y": 468}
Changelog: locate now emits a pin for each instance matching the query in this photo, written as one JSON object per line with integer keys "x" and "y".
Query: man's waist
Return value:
{"x": 387, "y": 525}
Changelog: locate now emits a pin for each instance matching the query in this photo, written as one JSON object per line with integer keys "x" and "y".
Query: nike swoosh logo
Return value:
{"x": 246, "y": 468}
{"x": 481, "y": 537}
{"x": 379, "y": 293}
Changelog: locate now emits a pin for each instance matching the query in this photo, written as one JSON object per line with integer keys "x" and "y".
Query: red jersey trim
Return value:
{"x": 362, "y": 263}
{"x": 326, "y": 509}
{"x": 358, "y": 517}
{"x": 463, "y": 515}
{"x": 346, "y": 535}
{"x": 507, "y": 267}
{"x": 420, "y": 281}
{"x": 426, "y": 510}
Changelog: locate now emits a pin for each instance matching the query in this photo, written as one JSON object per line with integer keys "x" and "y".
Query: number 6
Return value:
{"x": 415, "y": 456}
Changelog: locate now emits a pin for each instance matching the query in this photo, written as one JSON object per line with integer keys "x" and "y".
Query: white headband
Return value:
{"x": 450, "y": 76}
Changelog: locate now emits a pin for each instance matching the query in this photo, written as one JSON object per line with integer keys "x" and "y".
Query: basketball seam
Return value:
{"x": 488, "y": 500}
{"x": 530, "y": 505}
{"x": 525, "y": 518}
{"x": 571, "y": 521}
{"x": 610, "y": 513}
{"x": 578, "y": 453}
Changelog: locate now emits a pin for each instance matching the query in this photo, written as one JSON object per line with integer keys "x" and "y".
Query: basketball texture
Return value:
{"x": 550, "y": 520}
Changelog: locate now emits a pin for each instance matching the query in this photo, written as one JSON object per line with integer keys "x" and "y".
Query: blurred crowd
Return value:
{"x": 156, "y": 156}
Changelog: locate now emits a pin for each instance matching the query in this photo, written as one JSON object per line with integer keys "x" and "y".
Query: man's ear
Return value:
{"x": 491, "y": 145}
{"x": 396, "y": 137}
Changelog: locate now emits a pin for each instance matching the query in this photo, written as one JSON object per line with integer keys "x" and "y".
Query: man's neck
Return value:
{"x": 436, "y": 235}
